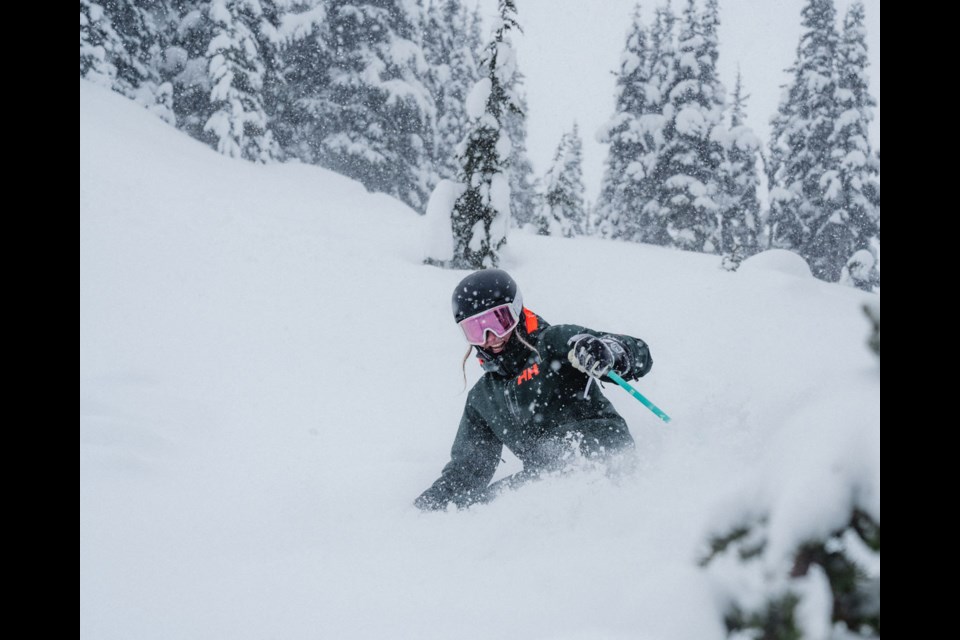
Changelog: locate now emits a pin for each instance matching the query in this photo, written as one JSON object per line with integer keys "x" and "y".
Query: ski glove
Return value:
{"x": 594, "y": 356}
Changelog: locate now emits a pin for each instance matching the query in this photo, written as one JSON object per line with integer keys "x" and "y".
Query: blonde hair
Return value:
{"x": 463, "y": 366}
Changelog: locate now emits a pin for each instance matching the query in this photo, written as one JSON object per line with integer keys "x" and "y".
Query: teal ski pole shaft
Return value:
{"x": 636, "y": 394}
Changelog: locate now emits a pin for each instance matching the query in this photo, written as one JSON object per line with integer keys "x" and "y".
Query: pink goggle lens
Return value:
{"x": 500, "y": 320}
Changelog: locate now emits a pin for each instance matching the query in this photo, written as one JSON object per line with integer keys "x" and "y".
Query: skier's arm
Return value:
{"x": 473, "y": 461}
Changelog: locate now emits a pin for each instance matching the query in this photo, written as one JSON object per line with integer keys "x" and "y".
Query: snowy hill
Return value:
{"x": 269, "y": 376}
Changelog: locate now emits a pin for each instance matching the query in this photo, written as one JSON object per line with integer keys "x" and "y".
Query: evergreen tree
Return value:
{"x": 663, "y": 63}
{"x": 649, "y": 220}
{"x": 562, "y": 212}
{"x": 305, "y": 61}
{"x": 770, "y": 603}
{"x": 121, "y": 46}
{"x": 633, "y": 134}
{"x": 801, "y": 174}
{"x": 377, "y": 110}
{"x": 523, "y": 183}
{"x": 691, "y": 156}
{"x": 269, "y": 41}
{"x": 435, "y": 41}
{"x": 188, "y": 68}
{"x": 238, "y": 123}
{"x": 453, "y": 71}
{"x": 857, "y": 208}
{"x": 861, "y": 271}
{"x": 99, "y": 44}
{"x": 481, "y": 215}
{"x": 740, "y": 221}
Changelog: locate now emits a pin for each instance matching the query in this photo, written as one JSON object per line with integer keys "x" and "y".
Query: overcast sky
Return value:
{"x": 570, "y": 49}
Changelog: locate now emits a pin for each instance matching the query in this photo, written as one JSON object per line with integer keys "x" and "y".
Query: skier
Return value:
{"x": 535, "y": 396}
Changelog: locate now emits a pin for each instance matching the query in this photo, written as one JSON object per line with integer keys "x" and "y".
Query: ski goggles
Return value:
{"x": 500, "y": 320}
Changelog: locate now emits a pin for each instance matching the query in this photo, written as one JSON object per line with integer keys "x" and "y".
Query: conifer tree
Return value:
{"x": 740, "y": 220}
{"x": 801, "y": 170}
{"x": 633, "y": 136}
{"x": 376, "y": 107}
{"x": 305, "y": 60}
{"x": 121, "y": 44}
{"x": 775, "y": 600}
{"x": 691, "y": 156}
{"x": 649, "y": 220}
{"x": 663, "y": 67}
{"x": 858, "y": 206}
{"x": 562, "y": 212}
{"x": 188, "y": 68}
{"x": 435, "y": 42}
{"x": 238, "y": 123}
{"x": 523, "y": 183}
{"x": 453, "y": 71}
{"x": 481, "y": 215}
{"x": 273, "y": 94}
{"x": 861, "y": 271}
{"x": 99, "y": 44}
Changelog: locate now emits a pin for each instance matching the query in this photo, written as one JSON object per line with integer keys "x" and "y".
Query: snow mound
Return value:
{"x": 778, "y": 260}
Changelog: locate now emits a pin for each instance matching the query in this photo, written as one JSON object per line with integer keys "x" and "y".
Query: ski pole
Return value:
{"x": 636, "y": 394}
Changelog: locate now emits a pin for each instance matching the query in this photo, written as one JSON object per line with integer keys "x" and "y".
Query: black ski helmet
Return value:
{"x": 485, "y": 289}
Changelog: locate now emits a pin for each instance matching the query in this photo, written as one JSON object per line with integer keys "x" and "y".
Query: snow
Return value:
{"x": 295, "y": 26}
{"x": 439, "y": 234}
{"x": 503, "y": 146}
{"x": 741, "y": 137}
{"x": 691, "y": 122}
{"x": 778, "y": 260}
{"x": 269, "y": 375}
{"x": 476, "y": 104}
{"x": 629, "y": 61}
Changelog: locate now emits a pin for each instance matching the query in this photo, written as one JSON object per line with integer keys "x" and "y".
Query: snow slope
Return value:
{"x": 269, "y": 376}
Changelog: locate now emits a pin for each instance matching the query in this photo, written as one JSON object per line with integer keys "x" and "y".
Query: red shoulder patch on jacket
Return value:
{"x": 530, "y": 320}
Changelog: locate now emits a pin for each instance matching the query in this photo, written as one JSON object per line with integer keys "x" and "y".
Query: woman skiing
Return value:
{"x": 535, "y": 394}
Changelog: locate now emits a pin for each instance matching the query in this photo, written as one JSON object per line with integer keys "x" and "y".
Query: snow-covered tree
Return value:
{"x": 238, "y": 123}
{"x": 802, "y": 175}
{"x": 633, "y": 134}
{"x": 562, "y": 212}
{"x": 269, "y": 43}
{"x": 376, "y": 108}
{"x": 188, "y": 68}
{"x": 857, "y": 207}
{"x": 300, "y": 119}
{"x": 453, "y": 71}
{"x": 121, "y": 44}
{"x": 523, "y": 182}
{"x": 98, "y": 43}
{"x": 481, "y": 213}
{"x": 740, "y": 219}
{"x": 691, "y": 156}
{"x": 663, "y": 64}
{"x": 861, "y": 271}
{"x": 829, "y": 580}
{"x": 647, "y": 221}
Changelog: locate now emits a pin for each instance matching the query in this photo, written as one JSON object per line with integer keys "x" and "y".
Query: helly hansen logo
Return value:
{"x": 528, "y": 374}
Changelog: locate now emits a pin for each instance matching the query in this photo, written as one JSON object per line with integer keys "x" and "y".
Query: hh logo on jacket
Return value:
{"x": 528, "y": 374}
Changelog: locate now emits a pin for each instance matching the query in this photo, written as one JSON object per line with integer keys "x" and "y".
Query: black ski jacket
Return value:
{"x": 532, "y": 401}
